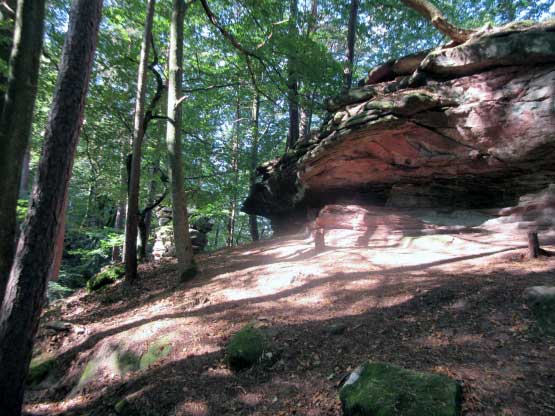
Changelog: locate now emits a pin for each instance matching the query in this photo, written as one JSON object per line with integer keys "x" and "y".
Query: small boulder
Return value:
{"x": 106, "y": 276}
{"x": 541, "y": 300}
{"x": 383, "y": 389}
{"x": 40, "y": 368}
{"x": 246, "y": 348}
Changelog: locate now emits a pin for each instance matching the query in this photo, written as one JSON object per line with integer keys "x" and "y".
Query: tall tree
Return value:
{"x": 307, "y": 106}
{"x": 255, "y": 116}
{"x": 183, "y": 246}
{"x": 131, "y": 227}
{"x": 351, "y": 38}
{"x": 235, "y": 148}
{"x": 20, "y": 311}
{"x": 292, "y": 78}
{"x": 7, "y": 20}
{"x": 16, "y": 121}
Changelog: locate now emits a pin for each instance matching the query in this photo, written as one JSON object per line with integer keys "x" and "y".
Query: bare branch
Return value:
{"x": 434, "y": 15}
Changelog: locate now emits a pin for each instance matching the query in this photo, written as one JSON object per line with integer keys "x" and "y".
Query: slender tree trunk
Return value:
{"x": 217, "y": 236}
{"x": 434, "y": 15}
{"x": 351, "y": 38}
{"x": 120, "y": 210}
{"x": 183, "y": 246}
{"x": 16, "y": 121}
{"x": 145, "y": 219}
{"x": 131, "y": 227}
{"x": 292, "y": 81}
{"x": 255, "y": 114}
{"x": 7, "y": 19}
{"x": 20, "y": 311}
{"x": 534, "y": 250}
{"x": 235, "y": 171}
{"x": 24, "y": 181}
{"x": 306, "y": 108}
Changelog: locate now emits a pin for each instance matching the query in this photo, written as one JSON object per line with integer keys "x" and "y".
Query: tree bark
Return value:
{"x": 120, "y": 210}
{"x": 24, "y": 181}
{"x": 183, "y": 246}
{"x": 351, "y": 39}
{"x": 16, "y": 122}
{"x": 534, "y": 250}
{"x": 131, "y": 226}
{"x": 434, "y": 15}
{"x": 235, "y": 171}
{"x": 7, "y": 20}
{"x": 255, "y": 114}
{"x": 292, "y": 81}
{"x": 20, "y": 311}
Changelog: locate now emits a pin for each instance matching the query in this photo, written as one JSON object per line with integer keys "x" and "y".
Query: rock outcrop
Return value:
{"x": 164, "y": 245}
{"x": 465, "y": 127}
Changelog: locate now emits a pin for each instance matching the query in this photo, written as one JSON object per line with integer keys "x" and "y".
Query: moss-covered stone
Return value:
{"x": 106, "y": 276}
{"x": 40, "y": 368}
{"x": 246, "y": 348}
{"x": 541, "y": 301}
{"x": 156, "y": 351}
{"x": 382, "y": 389}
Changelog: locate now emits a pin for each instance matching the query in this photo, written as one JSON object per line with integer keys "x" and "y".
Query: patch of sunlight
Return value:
{"x": 310, "y": 299}
{"x": 192, "y": 408}
{"x": 149, "y": 330}
{"x": 400, "y": 259}
{"x": 251, "y": 399}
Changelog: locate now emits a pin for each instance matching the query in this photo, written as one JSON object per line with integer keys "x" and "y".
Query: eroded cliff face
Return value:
{"x": 471, "y": 126}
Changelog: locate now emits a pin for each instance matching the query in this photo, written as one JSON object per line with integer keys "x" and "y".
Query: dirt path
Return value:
{"x": 443, "y": 304}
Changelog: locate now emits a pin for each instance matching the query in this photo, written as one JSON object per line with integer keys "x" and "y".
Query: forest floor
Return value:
{"x": 448, "y": 305}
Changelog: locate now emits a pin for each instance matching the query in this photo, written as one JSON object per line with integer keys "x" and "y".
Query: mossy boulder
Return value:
{"x": 383, "y": 389}
{"x": 106, "y": 276}
{"x": 541, "y": 301}
{"x": 40, "y": 368}
{"x": 117, "y": 358}
{"x": 246, "y": 348}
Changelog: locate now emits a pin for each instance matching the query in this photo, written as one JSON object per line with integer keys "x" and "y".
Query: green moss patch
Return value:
{"x": 246, "y": 348}
{"x": 40, "y": 368}
{"x": 106, "y": 276}
{"x": 382, "y": 389}
{"x": 156, "y": 351}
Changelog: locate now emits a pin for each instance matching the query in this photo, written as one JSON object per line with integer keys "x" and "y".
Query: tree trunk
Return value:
{"x": 254, "y": 157}
{"x": 24, "y": 181}
{"x": 16, "y": 122}
{"x": 292, "y": 81}
{"x": 534, "y": 250}
{"x": 235, "y": 171}
{"x": 183, "y": 246}
{"x": 145, "y": 219}
{"x": 120, "y": 210}
{"x": 351, "y": 38}
{"x": 306, "y": 109}
{"x": 20, "y": 312}
{"x": 434, "y": 15}
{"x": 7, "y": 20}
{"x": 131, "y": 226}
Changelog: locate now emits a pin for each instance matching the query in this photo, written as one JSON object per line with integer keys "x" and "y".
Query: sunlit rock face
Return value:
{"x": 465, "y": 127}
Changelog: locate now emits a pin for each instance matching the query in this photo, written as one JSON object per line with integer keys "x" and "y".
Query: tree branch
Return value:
{"x": 434, "y": 15}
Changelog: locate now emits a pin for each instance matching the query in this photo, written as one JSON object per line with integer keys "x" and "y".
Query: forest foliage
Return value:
{"x": 219, "y": 84}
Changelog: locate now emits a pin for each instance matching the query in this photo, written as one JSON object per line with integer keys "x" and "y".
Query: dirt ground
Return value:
{"x": 445, "y": 304}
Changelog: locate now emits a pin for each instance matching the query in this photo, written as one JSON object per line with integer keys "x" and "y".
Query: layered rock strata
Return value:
{"x": 465, "y": 127}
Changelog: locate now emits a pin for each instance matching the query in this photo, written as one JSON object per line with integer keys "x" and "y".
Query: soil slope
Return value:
{"x": 446, "y": 304}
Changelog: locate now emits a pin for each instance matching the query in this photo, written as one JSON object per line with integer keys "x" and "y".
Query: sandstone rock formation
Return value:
{"x": 465, "y": 127}
{"x": 164, "y": 245}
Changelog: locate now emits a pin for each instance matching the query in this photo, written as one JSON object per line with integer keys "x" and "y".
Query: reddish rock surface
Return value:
{"x": 472, "y": 127}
